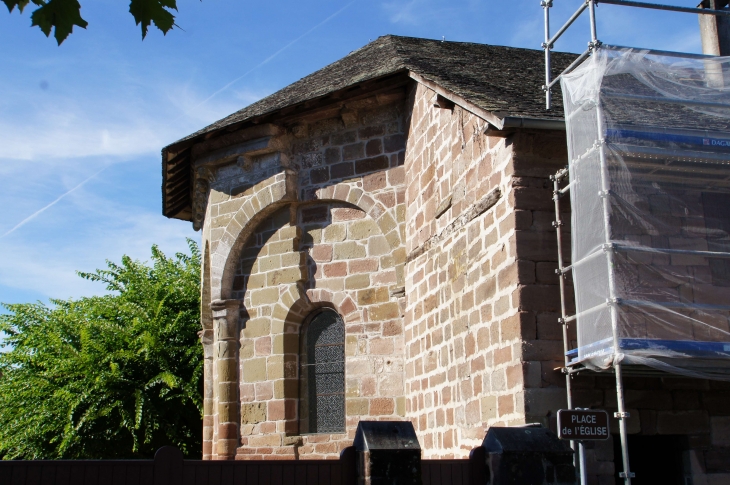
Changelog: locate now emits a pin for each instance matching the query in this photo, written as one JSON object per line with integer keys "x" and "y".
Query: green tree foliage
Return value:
{"x": 62, "y": 15}
{"x": 114, "y": 376}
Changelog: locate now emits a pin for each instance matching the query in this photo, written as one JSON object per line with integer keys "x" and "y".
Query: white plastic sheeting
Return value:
{"x": 649, "y": 149}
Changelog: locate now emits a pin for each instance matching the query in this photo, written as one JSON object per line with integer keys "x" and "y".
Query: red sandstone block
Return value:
{"x": 342, "y": 214}
{"x": 347, "y": 306}
{"x": 483, "y": 338}
{"x": 375, "y": 181}
{"x": 276, "y": 410}
{"x": 547, "y": 327}
{"x": 266, "y": 428}
{"x": 503, "y": 355}
{"x": 396, "y": 176}
{"x": 321, "y": 253}
{"x": 262, "y": 346}
{"x": 334, "y": 270}
{"x": 541, "y": 350}
{"x": 382, "y": 406}
{"x": 505, "y": 405}
{"x": 542, "y": 298}
{"x": 514, "y": 376}
{"x": 325, "y": 448}
{"x": 388, "y": 199}
{"x": 535, "y": 246}
{"x": 449, "y": 439}
{"x": 381, "y": 346}
{"x": 227, "y": 431}
{"x": 392, "y": 328}
{"x": 363, "y": 265}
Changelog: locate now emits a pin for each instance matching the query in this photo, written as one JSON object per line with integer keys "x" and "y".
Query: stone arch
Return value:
{"x": 265, "y": 198}
{"x": 384, "y": 218}
{"x": 292, "y": 312}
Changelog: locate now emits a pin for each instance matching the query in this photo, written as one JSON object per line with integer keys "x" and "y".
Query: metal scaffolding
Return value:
{"x": 609, "y": 249}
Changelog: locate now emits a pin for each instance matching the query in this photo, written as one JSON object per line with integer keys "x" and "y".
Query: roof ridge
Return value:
{"x": 496, "y": 78}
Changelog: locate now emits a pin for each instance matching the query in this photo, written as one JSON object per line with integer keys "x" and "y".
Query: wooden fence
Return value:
{"x": 169, "y": 468}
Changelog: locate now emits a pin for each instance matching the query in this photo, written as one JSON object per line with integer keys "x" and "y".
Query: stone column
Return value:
{"x": 226, "y": 334}
{"x": 207, "y": 339}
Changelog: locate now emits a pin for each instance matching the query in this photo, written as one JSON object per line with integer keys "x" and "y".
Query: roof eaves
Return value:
{"x": 498, "y": 124}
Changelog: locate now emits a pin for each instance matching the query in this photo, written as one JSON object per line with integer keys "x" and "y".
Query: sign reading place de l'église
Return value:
{"x": 583, "y": 424}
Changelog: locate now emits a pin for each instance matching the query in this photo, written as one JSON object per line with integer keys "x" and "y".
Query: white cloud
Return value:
{"x": 420, "y": 12}
{"x": 121, "y": 119}
{"x": 404, "y": 12}
{"x": 97, "y": 229}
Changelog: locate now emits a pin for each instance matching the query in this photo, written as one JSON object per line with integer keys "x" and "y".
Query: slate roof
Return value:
{"x": 506, "y": 81}
{"x": 501, "y": 79}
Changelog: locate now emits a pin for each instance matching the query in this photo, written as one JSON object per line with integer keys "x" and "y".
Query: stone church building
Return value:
{"x": 379, "y": 244}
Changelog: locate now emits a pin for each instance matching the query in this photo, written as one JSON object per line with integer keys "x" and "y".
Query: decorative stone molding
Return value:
{"x": 204, "y": 176}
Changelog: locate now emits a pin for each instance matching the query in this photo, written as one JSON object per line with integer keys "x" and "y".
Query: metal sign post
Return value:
{"x": 583, "y": 425}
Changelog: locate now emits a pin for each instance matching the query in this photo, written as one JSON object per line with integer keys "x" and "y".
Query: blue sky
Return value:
{"x": 88, "y": 119}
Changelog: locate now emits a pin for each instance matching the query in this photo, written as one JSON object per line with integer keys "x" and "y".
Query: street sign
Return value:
{"x": 583, "y": 424}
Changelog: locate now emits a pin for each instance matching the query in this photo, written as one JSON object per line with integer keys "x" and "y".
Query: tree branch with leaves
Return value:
{"x": 113, "y": 376}
{"x": 62, "y": 16}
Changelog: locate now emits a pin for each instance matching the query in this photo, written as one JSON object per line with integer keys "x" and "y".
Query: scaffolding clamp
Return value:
{"x": 627, "y": 475}
{"x": 560, "y": 173}
{"x": 622, "y": 415}
{"x": 561, "y": 321}
{"x": 557, "y": 223}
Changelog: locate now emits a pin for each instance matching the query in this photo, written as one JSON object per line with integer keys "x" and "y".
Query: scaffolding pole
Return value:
{"x": 605, "y": 194}
{"x": 579, "y": 457}
{"x": 600, "y": 145}
{"x": 549, "y": 42}
{"x": 562, "y": 272}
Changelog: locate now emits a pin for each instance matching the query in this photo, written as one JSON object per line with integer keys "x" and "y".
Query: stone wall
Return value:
{"x": 436, "y": 244}
{"x": 319, "y": 223}
{"x": 463, "y": 326}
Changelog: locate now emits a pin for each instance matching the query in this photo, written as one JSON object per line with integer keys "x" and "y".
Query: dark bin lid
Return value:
{"x": 524, "y": 439}
{"x": 386, "y": 435}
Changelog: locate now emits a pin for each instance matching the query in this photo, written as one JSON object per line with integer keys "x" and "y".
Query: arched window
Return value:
{"x": 325, "y": 373}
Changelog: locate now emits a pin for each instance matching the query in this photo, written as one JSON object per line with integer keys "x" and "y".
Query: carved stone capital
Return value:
{"x": 221, "y": 308}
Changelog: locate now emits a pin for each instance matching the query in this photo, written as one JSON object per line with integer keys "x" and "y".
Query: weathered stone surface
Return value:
{"x": 253, "y": 413}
